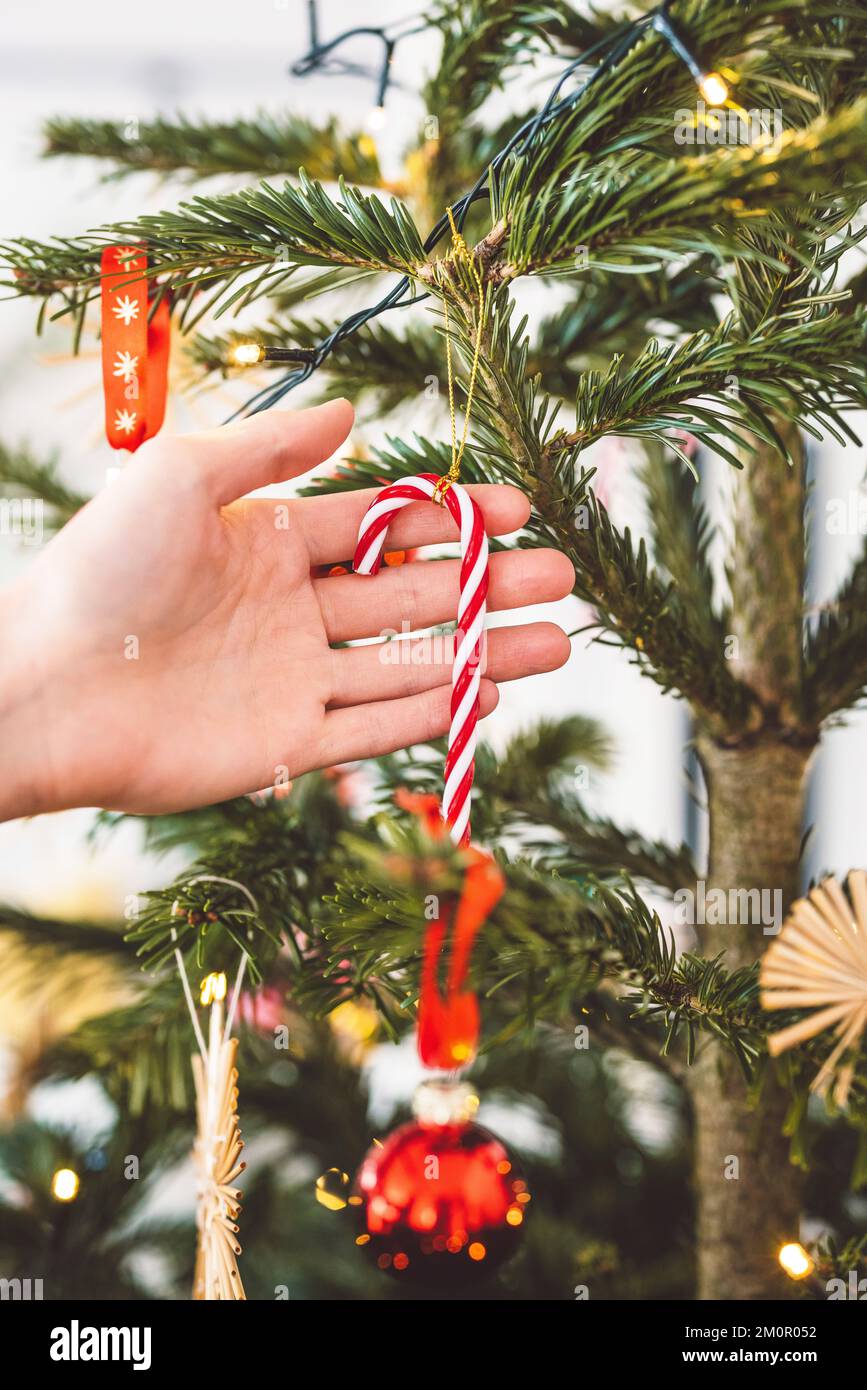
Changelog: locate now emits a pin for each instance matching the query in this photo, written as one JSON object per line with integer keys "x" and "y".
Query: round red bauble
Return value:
{"x": 441, "y": 1203}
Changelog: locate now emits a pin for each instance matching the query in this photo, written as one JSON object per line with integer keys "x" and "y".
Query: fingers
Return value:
{"x": 392, "y": 670}
{"x": 426, "y": 592}
{"x": 384, "y": 726}
{"x": 269, "y": 448}
{"x": 330, "y": 524}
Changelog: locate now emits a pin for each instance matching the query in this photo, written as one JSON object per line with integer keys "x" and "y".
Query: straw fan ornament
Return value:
{"x": 218, "y": 1143}
{"x": 217, "y": 1158}
{"x": 819, "y": 961}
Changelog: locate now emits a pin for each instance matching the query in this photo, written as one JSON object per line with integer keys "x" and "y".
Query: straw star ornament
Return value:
{"x": 819, "y": 962}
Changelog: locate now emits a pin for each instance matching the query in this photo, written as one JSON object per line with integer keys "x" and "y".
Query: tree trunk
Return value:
{"x": 747, "y": 1191}
{"x": 748, "y": 1194}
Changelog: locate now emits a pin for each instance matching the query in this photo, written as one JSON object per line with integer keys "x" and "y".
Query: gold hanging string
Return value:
{"x": 460, "y": 252}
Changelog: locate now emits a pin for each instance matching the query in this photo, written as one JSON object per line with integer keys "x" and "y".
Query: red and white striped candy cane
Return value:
{"x": 466, "y": 670}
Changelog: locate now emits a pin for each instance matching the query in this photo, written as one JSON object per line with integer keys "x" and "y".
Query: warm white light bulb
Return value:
{"x": 713, "y": 88}
{"x": 247, "y": 354}
{"x": 376, "y": 118}
{"x": 795, "y": 1261}
{"x": 64, "y": 1185}
{"x": 213, "y": 987}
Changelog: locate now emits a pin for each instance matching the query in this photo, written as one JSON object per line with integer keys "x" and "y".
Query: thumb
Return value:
{"x": 271, "y": 447}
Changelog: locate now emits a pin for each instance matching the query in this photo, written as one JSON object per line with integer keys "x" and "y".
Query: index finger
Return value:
{"x": 330, "y": 524}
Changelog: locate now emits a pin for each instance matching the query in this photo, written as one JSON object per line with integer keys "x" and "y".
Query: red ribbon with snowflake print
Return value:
{"x": 135, "y": 349}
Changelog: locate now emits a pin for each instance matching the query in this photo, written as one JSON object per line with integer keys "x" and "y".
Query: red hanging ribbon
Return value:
{"x": 135, "y": 350}
{"x": 448, "y": 1021}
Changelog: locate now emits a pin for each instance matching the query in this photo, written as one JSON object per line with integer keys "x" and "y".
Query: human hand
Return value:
{"x": 170, "y": 647}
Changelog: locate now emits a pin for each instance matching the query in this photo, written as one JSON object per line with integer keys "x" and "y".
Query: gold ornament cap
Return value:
{"x": 445, "y": 1103}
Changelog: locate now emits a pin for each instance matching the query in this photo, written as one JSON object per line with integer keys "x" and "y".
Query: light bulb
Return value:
{"x": 213, "y": 987}
{"x": 247, "y": 354}
{"x": 713, "y": 88}
{"x": 795, "y": 1261}
{"x": 376, "y": 118}
{"x": 64, "y": 1185}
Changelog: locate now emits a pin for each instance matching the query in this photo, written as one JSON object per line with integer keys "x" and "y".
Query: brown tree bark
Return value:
{"x": 748, "y": 1194}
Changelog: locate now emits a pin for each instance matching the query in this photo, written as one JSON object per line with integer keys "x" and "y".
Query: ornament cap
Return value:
{"x": 444, "y": 1102}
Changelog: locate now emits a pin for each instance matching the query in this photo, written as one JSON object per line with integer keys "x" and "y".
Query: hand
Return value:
{"x": 170, "y": 647}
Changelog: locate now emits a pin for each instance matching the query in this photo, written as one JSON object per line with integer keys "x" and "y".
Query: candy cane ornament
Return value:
{"x": 466, "y": 669}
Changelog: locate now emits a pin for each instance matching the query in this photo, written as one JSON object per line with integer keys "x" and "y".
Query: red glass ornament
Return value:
{"x": 441, "y": 1202}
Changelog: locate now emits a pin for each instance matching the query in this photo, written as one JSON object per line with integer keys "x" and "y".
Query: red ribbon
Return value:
{"x": 448, "y": 1020}
{"x": 135, "y": 350}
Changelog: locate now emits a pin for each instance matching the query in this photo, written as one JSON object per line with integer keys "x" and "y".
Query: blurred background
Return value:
{"x": 616, "y": 1165}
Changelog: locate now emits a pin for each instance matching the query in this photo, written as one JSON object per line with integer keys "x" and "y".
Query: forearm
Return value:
{"x": 27, "y": 753}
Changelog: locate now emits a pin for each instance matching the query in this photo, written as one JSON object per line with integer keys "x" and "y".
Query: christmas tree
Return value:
{"x": 691, "y": 187}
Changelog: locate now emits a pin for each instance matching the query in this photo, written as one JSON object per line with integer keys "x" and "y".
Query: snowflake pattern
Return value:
{"x": 125, "y": 421}
{"x": 126, "y": 365}
{"x": 126, "y": 309}
{"x": 123, "y": 256}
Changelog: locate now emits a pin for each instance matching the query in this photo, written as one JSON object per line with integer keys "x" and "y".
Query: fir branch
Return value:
{"x": 483, "y": 42}
{"x": 620, "y": 211}
{"x": 60, "y": 935}
{"x": 842, "y": 1262}
{"x": 572, "y": 30}
{"x": 610, "y": 314}
{"x": 835, "y": 666}
{"x": 681, "y": 535}
{"x": 273, "y": 848}
{"x": 546, "y": 934}
{"x": 596, "y": 846}
{"x": 515, "y": 432}
{"x": 238, "y": 245}
{"x": 531, "y": 790}
{"x": 142, "y": 1051}
{"x": 239, "y": 237}
{"x": 265, "y": 144}
{"x": 390, "y": 367}
{"x": 810, "y": 370}
{"x": 638, "y": 608}
{"x": 548, "y": 944}
{"x": 23, "y": 475}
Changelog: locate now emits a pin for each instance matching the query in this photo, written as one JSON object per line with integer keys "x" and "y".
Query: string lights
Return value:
{"x": 796, "y": 1261}
{"x": 803, "y": 1268}
{"x": 322, "y": 57}
{"x": 614, "y": 45}
{"x": 250, "y": 354}
{"x": 65, "y": 1185}
{"x": 712, "y": 86}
